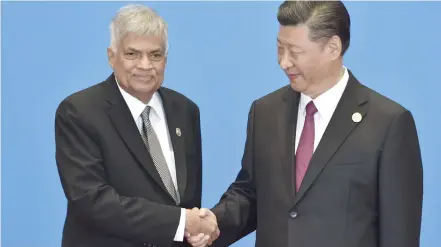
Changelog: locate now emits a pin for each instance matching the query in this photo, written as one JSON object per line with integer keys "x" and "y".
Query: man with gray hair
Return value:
{"x": 327, "y": 160}
{"x": 128, "y": 150}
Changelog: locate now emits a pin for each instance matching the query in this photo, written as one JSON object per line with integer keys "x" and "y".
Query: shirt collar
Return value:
{"x": 327, "y": 101}
{"x": 136, "y": 106}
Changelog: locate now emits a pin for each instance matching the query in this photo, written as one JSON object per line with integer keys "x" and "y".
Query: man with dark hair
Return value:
{"x": 327, "y": 160}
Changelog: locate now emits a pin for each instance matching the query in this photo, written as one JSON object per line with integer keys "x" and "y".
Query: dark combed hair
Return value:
{"x": 323, "y": 18}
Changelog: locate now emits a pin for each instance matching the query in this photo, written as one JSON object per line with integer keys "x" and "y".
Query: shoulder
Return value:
{"x": 272, "y": 101}
{"x": 85, "y": 99}
{"x": 180, "y": 99}
{"x": 275, "y": 96}
{"x": 382, "y": 107}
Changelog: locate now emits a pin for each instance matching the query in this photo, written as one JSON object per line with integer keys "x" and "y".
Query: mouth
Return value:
{"x": 293, "y": 76}
{"x": 144, "y": 78}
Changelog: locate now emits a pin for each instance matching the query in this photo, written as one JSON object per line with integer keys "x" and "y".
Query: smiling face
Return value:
{"x": 139, "y": 64}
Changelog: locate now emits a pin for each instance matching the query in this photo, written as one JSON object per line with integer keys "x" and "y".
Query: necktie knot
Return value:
{"x": 146, "y": 112}
{"x": 310, "y": 109}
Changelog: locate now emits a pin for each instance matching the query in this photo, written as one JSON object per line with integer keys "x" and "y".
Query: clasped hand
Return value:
{"x": 201, "y": 227}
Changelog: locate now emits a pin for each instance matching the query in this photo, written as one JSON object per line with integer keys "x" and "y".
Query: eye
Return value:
{"x": 157, "y": 56}
{"x": 131, "y": 55}
{"x": 294, "y": 54}
{"x": 280, "y": 50}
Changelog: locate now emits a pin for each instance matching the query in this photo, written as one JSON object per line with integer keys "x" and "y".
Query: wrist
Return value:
{"x": 192, "y": 222}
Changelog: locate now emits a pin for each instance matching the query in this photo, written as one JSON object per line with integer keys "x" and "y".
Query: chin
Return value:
{"x": 296, "y": 87}
{"x": 147, "y": 88}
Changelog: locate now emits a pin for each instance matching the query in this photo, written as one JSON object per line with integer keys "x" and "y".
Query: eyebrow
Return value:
{"x": 132, "y": 49}
{"x": 156, "y": 51}
{"x": 135, "y": 50}
{"x": 290, "y": 45}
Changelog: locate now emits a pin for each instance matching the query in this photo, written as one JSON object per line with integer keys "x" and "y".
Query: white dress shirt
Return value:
{"x": 159, "y": 124}
{"x": 325, "y": 104}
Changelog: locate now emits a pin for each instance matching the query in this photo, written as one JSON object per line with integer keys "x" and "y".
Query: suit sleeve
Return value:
{"x": 236, "y": 211}
{"x": 92, "y": 199}
{"x": 198, "y": 143}
{"x": 400, "y": 185}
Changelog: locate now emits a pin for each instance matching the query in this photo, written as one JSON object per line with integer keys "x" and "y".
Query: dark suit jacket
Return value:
{"x": 363, "y": 187}
{"x": 115, "y": 195}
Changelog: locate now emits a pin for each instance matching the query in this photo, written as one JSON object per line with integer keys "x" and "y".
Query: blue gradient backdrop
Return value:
{"x": 223, "y": 56}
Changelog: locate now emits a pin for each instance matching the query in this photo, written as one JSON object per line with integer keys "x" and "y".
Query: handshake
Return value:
{"x": 201, "y": 227}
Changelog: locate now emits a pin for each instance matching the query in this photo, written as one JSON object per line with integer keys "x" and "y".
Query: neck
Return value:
{"x": 143, "y": 97}
{"x": 328, "y": 82}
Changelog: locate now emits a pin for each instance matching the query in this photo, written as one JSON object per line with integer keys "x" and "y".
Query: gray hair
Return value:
{"x": 323, "y": 18}
{"x": 138, "y": 19}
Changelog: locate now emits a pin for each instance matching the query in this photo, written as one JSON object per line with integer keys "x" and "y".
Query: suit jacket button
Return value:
{"x": 293, "y": 214}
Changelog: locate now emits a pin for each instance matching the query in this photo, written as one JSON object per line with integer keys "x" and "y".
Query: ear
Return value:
{"x": 334, "y": 47}
{"x": 111, "y": 56}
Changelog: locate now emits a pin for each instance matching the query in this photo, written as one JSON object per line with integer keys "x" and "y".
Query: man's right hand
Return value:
{"x": 206, "y": 232}
{"x": 192, "y": 221}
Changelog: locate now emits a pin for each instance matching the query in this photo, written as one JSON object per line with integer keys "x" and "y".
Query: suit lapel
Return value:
{"x": 338, "y": 129}
{"x": 175, "y": 116}
{"x": 122, "y": 119}
{"x": 287, "y": 121}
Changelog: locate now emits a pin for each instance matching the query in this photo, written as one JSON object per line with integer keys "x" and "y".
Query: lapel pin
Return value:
{"x": 356, "y": 117}
{"x": 178, "y": 132}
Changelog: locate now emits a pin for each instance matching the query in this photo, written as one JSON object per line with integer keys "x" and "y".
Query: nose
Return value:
{"x": 145, "y": 63}
{"x": 285, "y": 62}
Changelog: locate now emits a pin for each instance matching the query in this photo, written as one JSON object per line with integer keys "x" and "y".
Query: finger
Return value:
{"x": 203, "y": 212}
{"x": 214, "y": 236}
{"x": 203, "y": 242}
{"x": 187, "y": 234}
{"x": 193, "y": 240}
{"x": 200, "y": 241}
{"x": 210, "y": 241}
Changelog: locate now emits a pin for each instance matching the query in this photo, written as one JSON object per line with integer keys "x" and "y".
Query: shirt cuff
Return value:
{"x": 179, "y": 237}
